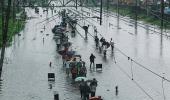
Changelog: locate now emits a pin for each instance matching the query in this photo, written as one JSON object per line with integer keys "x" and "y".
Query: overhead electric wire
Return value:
{"x": 138, "y": 85}
{"x": 140, "y": 65}
{"x": 163, "y": 90}
{"x": 47, "y": 19}
{"x": 132, "y": 78}
{"x": 86, "y": 20}
{"x": 134, "y": 62}
{"x": 131, "y": 62}
{"x": 82, "y": 26}
{"x": 51, "y": 20}
{"x": 139, "y": 24}
{"x": 131, "y": 67}
{"x": 87, "y": 32}
{"x": 76, "y": 30}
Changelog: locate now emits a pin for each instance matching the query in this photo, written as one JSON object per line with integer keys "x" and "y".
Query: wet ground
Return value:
{"x": 27, "y": 61}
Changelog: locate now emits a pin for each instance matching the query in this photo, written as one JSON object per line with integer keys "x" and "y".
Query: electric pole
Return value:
{"x": 107, "y": 5}
{"x": 118, "y": 8}
{"x": 136, "y": 14}
{"x": 76, "y": 4}
{"x": 101, "y": 6}
{"x": 162, "y": 14}
{"x": 5, "y": 21}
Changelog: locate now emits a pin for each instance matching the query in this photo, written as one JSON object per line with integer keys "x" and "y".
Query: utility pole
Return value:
{"x": 76, "y": 4}
{"x": 5, "y": 21}
{"x": 118, "y": 8}
{"x": 1, "y": 59}
{"x": 17, "y": 4}
{"x": 63, "y": 3}
{"x": 101, "y": 6}
{"x": 162, "y": 14}
{"x": 13, "y": 11}
{"x": 107, "y": 5}
{"x": 147, "y": 7}
{"x": 136, "y": 14}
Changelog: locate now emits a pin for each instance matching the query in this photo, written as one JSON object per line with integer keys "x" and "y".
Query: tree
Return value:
{"x": 5, "y": 21}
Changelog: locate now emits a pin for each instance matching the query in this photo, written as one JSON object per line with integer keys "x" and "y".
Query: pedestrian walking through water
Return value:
{"x": 86, "y": 30}
{"x": 92, "y": 57}
{"x": 81, "y": 87}
{"x": 74, "y": 72}
{"x": 86, "y": 91}
{"x": 67, "y": 65}
{"x": 111, "y": 44}
{"x": 50, "y": 64}
{"x": 104, "y": 50}
{"x": 95, "y": 30}
{"x": 116, "y": 88}
{"x": 93, "y": 86}
{"x": 43, "y": 40}
{"x": 96, "y": 41}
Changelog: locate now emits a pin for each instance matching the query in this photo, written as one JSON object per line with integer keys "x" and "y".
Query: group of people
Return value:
{"x": 104, "y": 44}
{"x": 88, "y": 91}
{"x": 77, "y": 68}
{"x": 73, "y": 64}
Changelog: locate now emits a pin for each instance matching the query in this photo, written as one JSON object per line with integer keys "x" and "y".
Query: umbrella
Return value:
{"x": 61, "y": 52}
{"x": 78, "y": 79}
{"x": 107, "y": 44}
{"x": 70, "y": 53}
{"x": 85, "y": 27}
{"x": 77, "y": 56}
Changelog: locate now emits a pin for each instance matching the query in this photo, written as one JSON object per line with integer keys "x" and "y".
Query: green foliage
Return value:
{"x": 13, "y": 28}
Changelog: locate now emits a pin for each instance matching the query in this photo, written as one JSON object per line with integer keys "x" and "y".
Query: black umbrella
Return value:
{"x": 61, "y": 52}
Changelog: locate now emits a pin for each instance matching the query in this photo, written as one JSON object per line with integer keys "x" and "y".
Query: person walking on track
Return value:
{"x": 92, "y": 57}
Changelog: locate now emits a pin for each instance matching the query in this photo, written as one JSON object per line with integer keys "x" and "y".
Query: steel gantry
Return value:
{"x": 78, "y": 3}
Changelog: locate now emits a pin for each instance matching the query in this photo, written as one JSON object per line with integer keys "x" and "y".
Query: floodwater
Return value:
{"x": 27, "y": 60}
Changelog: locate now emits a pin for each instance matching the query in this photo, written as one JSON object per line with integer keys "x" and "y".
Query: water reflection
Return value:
{"x": 18, "y": 37}
{"x": 62, "y": 83}
{"x": 147, "y": 29}
{"x": 147, "y": 39}
{"x": 0, "y": 85}
{"x": 136, "y": 31}
{"x": 51, "y": 84}
{"x": 136, "y": 27}
{"x": 136, "y": 24}
{"x": 161, "y": 42}
{"x": 135, "y": 45}
{"x": 107, "y": 25}
{"x": 118, "y": 22}
{"x": 117, "y": 31}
